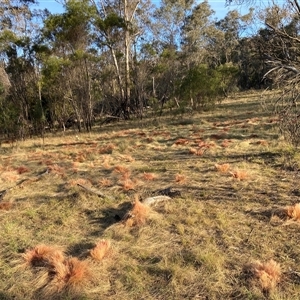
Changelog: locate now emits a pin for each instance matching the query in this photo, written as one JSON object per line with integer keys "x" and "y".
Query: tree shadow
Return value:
{"x": 81, "y": 249}
{"x": 109, "y": 216}
{"x": 4, "y": 296}
{"x": 273, "y": 216}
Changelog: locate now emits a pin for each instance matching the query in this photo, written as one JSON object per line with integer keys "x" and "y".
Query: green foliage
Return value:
{"x": 228, "y": 74}
{"x": 53, "y": 68}
{"x": 8, "y": 115}
{"x": 204, "y": 85}
{"x": 112, "y": 20}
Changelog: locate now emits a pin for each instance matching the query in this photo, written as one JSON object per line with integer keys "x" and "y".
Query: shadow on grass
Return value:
{"x": 80, "y": 250}
{"x": 274, "y": 216}
{"x": 4, "y": 296}
{"x": 108, "y": 216}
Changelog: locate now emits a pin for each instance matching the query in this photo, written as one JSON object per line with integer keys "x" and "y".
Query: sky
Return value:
{"x": 217, "y": 5}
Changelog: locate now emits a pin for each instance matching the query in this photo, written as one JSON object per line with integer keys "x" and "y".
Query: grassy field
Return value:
{"x": 230, "y": 229}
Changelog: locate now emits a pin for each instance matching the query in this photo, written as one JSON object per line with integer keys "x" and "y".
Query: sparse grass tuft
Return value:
{"x": 268, "y": 273}
{"x": 100, "y": 250}
{"x": 294, "y": 212}
{"x": 105, "y": 182}
{"x": 240, "y": 174}
{"x": 149, "y": 176}
{"x": 138, "y": 214}
{"x": 180, "y": 178}
{"x": 223, "y": 168}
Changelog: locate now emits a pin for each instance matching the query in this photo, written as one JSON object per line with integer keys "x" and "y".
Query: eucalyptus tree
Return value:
{"x": 117, "y": 27}
{"x": 18, "y": 29}
{"x": 197, "y": 30}
{"x": 181, "y": 27}
{"x": 67, "y": 64}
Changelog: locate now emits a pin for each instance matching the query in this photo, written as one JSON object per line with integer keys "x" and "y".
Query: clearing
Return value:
{"x": 230, "y": 177}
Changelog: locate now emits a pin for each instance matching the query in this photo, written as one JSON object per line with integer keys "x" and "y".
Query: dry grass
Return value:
{"x": 192, "y": 246}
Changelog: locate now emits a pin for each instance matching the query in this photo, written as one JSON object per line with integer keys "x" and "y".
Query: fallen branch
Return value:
{"x": 150, "y": 201}
{"x": 94, "y": 191}
{"x": 3, "y": 193}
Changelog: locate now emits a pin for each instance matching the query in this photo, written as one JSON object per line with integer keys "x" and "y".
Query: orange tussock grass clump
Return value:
{"x": 22, "y": 169}
{"x": 107, "y": 149}
{"x": 239, "y": 174}
{"x": 127, "y": 184}
{"x": 138, "y": 215}
{"x": 100, "y": 250}
{"x": 181, "y": 142}
{"x": 149, "y": 176}
{"x": 268, "y": 273}
{"x": 82, "y": 181}
{"x": 106, "y": 165}
{"x": 198, "y": 152}
{"x": 293, "y": 211}
{"x": 105, "y": 182}
{"x": 71, "y": 274}
{"x": 149, "y": 139}
{"x": 225, "y": 143}
{"x": 127, "y": 158}
{"x": 56, "y": 169}
{"x": 43, "y": 255}
{"x": 9, "y": 177}
{"x": 5, "y": 205}
{"x": 179, "y": 178}
{"x": 81, "y": 157}
{"x": 223, "y": 168}
{"x": 122, "y": 170}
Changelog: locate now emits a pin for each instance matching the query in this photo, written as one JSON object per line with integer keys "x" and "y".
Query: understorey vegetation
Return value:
{"x": 105, "y": 61}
